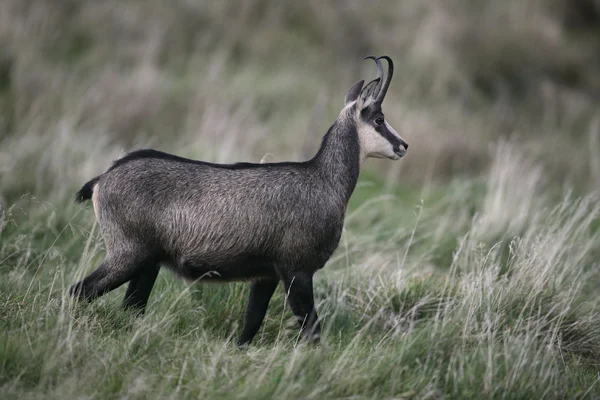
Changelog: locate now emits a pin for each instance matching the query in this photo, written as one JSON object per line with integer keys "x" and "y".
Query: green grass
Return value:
{"x": 469, "y": 269}
{"x": 399, "y": 322}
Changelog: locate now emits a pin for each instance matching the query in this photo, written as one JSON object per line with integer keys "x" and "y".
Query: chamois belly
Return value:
{"x": 242, "y": 269}
{"x": 236, "y": 244}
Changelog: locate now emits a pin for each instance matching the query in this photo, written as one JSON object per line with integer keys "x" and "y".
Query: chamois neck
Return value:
{"x": 338, "y": 158}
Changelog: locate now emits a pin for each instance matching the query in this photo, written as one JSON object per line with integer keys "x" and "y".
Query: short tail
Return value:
{"x": 85, "y": 193}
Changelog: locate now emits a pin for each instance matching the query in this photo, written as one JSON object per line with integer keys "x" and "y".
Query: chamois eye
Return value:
{"x": 379, "y": 121}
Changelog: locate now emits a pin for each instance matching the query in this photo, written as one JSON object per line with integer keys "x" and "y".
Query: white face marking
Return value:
{"x": 372, "y": 144}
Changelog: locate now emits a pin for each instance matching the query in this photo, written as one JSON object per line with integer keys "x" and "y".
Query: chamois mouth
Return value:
{"x": 399, "y": 153}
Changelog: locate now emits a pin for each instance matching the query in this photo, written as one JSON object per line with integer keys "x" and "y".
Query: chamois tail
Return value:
{"x": 85, "y": 193}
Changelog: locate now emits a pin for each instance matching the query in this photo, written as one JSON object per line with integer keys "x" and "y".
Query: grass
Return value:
{"x": 467, "y": 270}
{"x": 399, "y": 321}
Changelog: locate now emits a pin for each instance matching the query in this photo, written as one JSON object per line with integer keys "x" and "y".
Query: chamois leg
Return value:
{"x": 112, "y": 273}
{"x": 140, "y": 287}
{"x": 299, "y": 290}
{"x": 261, "y": 292}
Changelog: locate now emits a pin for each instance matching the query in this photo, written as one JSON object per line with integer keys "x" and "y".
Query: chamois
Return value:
{"x": 263, "y": 223}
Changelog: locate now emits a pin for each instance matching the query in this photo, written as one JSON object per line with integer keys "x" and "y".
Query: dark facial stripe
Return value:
{"x": 388, "y": 135}
{"x": 369, "y": 114}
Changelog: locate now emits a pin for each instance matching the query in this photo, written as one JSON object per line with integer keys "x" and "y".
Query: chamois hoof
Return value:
{"x": 315, "y": 338}
{"x": 242, "y": 346}
{"x": 79, "y": 292}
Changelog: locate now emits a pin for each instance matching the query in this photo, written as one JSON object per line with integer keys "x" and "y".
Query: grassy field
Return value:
{"x": 469, "y": 269}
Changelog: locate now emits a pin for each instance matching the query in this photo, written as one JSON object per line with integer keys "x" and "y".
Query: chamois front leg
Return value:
{"x": 261, "y": 292}
{"x": 299, "y": 291}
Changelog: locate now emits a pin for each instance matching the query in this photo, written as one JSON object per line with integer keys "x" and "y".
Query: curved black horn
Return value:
{"x": 388, "y": 79}
{"x": 379, "y": 70}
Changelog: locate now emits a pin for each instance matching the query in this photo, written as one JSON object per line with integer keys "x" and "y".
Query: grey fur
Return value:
{"x": 260, "y": 222}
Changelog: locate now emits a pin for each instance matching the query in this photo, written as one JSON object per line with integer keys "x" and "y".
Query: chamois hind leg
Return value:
{"x": 261, "y": 292}
{"x": 140, "y": 287}
{"x": 299, "y": 291}
{"x": 112, "y": 273}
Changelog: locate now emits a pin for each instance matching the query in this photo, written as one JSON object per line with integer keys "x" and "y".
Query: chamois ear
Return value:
{"x": 354, "y": 91}
{"x": 369, "y": 93}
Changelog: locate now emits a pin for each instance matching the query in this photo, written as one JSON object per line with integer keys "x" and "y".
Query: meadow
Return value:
{"x": 468, "y": 269}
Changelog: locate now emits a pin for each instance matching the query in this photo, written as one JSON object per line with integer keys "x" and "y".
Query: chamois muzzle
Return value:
{"x": 401, "y": 149}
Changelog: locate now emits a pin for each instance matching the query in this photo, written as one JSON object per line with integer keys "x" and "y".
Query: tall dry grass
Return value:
{"x": 467, "y": 270}
{"x": 146, "y": 73}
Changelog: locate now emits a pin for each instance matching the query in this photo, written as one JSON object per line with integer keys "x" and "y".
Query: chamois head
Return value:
{"x": 377, "y": 138}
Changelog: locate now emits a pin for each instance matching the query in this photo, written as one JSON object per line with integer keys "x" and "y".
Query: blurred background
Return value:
{"x": 470, "y": 266}
{"x": 82, "y": 81}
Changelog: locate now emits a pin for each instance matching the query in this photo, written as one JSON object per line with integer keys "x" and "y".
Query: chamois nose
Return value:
{"x": 401, "y": 150}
